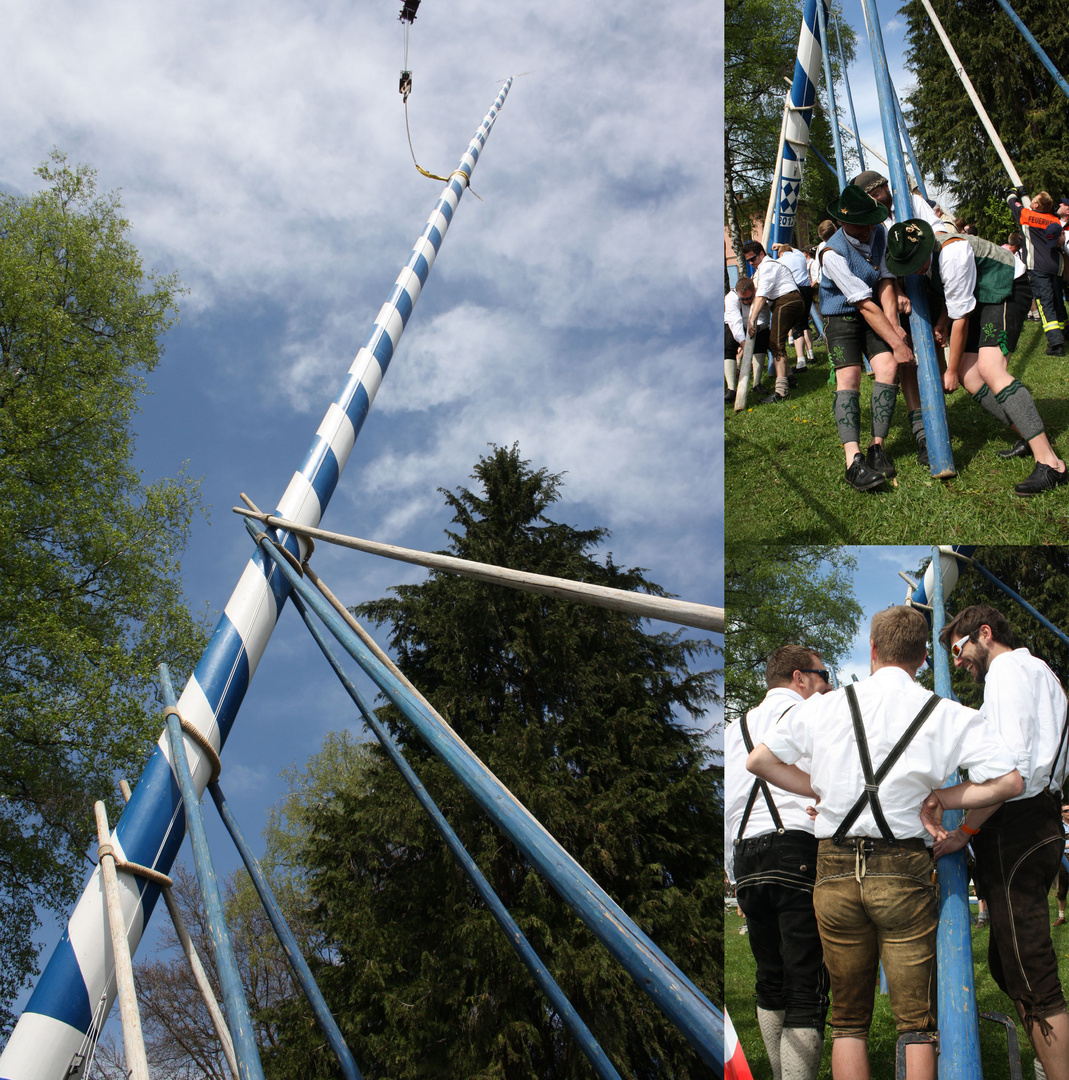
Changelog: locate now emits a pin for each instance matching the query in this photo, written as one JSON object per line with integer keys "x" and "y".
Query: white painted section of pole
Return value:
{"x": 133, "y": 1040}
{"x": 682, "y": 612}
{"x": 959, "y": 69}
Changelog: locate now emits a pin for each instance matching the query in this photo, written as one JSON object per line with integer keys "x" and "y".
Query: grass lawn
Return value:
{"x": 784, "y": 465}
{"x": 739, "y": 998}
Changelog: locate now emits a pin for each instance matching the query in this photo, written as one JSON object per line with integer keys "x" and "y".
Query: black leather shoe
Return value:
{"x": 1042, "y": 478}
{"x": 860, "y": 476}
{"x": 773, "y": 398}
{"x": 877, "y": 460}
{"x": 922, "y": 453}
{"x": 729, "y": 396}
{"x": 1019, "y": 449}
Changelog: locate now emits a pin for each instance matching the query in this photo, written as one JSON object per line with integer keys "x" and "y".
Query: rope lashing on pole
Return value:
{"x": 61, "y": 1010}
{"x": 981, "y": 112}
{"x": 933, "y": 407}
{"x": 671, "y": 990}
{"x": 682, "y": 612}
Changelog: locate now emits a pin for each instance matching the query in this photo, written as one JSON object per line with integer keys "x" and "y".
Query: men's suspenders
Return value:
{"x": 758, "y": 784}
{"x": 871, "y": 795}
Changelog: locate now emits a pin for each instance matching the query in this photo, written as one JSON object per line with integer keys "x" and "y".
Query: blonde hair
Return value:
{"x": 900, "y": 635}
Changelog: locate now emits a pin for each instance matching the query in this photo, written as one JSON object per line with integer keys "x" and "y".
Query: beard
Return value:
{"x": 980, "y": 665}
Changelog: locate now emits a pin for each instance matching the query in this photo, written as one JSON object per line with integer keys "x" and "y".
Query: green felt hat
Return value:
{"x": 909, "y": 245}
{"x": 856, "y": 207}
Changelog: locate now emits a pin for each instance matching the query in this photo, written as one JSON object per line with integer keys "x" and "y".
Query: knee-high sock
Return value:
{"x": 770, "y": 1021}
{"x": 847, "y": 409}
{"x": 883, "y": 408}
{"x": 800, "y": 1052}
{"x": 1021, "y": 409}
{"x": 916, "y": 425}
{"x": 984, "y": 398}
{"x": 1041, "y": 1073}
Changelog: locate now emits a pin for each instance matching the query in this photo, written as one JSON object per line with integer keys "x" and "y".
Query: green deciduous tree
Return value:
{"x": 90, "y": 598}
{"x": 585, "y": 717}
{"x": 776, "y": 596}
{"x": 1024, "y": 102}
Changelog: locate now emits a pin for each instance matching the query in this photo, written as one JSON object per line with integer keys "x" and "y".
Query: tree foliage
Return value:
{"x": 1023, "y": 100}
{"x": 1040, "y": 575}
{"x": 777, "y": 596}
{"x": 90, "y": 597}
{"x": 580, "y": 713}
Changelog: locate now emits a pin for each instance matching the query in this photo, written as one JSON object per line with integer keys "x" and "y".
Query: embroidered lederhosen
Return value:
{"x": 870, "y": 796}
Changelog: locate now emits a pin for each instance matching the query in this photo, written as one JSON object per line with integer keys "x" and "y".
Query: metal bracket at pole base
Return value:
{"x": 1013, "y": 1044}
{"x": 911, "y": 1038}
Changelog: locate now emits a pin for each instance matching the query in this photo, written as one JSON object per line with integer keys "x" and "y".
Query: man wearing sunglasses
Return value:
{"x": 1020, "y": 844}
{"x": 872, "y": 754}
{"x": 771, "y": 855}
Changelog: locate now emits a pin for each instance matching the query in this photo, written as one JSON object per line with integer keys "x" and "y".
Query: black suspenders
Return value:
{"x": 871, "y": 795}
{"x": 758, "y": 785}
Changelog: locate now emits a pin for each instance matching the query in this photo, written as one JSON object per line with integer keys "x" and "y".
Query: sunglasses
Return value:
{"x": 955, "y": 649}
{"x": 822, "y": 672}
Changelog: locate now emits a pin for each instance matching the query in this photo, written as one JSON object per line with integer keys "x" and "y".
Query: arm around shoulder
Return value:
{"x": 763, "y": 763}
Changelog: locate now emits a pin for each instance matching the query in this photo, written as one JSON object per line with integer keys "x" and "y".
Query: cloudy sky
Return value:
{"x": 261, "y": 152}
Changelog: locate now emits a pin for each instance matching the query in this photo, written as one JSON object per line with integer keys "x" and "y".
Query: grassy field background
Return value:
{"x": 739, "y": 997}
{"x": 784, "y": 465}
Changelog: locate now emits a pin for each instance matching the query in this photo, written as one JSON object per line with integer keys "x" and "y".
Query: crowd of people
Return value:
{"x": 834, "y": 806}
{"x": 980, "y": 295}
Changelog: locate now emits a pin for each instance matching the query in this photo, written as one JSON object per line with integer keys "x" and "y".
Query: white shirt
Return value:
{"x": 738, "y": 782}
{"x": 737, "y": 316}
{"x": 921, "y": 210}
{"x": 794, "y": 260}
{"x": 838, "y": 270}
{"x": 957, "y": 271}
{"x": 952, "y": 737}
{"x": 814, "y": 270}
{"x": 774, "y": 280}
{"x": 1025, "y": 703}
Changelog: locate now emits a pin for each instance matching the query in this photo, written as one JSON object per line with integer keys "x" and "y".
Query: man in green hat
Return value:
{"x": 859, "y": 303}
{"x": 983, "y": 299}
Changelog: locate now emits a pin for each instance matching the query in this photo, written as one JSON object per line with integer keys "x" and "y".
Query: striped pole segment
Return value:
{"x": 80, "y": 973}
{"x": 799, "y": 117}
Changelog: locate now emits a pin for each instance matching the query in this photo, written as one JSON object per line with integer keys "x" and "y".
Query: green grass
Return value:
{"x": 739, "y": 998}
{"x": 784, "y": 465}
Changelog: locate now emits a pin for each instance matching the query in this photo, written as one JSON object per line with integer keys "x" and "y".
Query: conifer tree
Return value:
{"x": 586, "y": 717}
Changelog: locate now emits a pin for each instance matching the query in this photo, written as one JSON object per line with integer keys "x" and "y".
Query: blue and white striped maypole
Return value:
{"x": 78, "y": 983}
{"x": 799, "y": 117}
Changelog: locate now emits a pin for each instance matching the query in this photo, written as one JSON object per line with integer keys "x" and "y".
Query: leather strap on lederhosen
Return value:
{"x": 759, "y": 785}
{"x": 871, "y": 795}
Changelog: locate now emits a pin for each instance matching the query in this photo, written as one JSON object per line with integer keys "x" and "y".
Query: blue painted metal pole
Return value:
{"x": 79, "y": 973}
{"x": 286, "y": 938}
{"x": 931, "y": 383}
{"x": 959, "y": 1022}
{"x": 829, "y": 87}
{"x": 796, "y": 128}
{"x": 237, "y": 1008}
{"x": 849, "y": 96}
{"x": 546, "y": 983}
{"x": 672, "y": 991}
{"x": 917, "y": 174}
{"x": 1042, "y": 619}
{"x": 1035, "y": 46}
{"x": 826, "y": 163}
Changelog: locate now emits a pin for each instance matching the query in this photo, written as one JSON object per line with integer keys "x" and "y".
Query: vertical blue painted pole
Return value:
{"x": 237, "y": 1008}
{"x": 959, "y": 1021}
{"x": 150, "y": 831}
{"x": 917, "y": 174}
{"x": 849, "y": 96}
{"x": 931, "y": 383}
{"x": 799, "y": 117}
{"x": 1035, "y": 46}
{"x": 286, "y": 938}
{"x": 829, "y": 86}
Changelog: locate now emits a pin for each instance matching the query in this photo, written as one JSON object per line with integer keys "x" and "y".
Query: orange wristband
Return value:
{"x": 965, "y": 829}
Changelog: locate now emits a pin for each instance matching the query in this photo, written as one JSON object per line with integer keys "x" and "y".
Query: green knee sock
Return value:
{"x": 883, "y": 408}
{"x": 984, "y": 398}
{"x": 847, "y": 408}
{"x": 1021, "y": 409}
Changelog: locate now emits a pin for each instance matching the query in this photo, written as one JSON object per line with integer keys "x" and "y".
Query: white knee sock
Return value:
{"x": 770, "y": 1021}
{"x": 1041, "y": 1073}
{"x": 800, "y": 1053}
